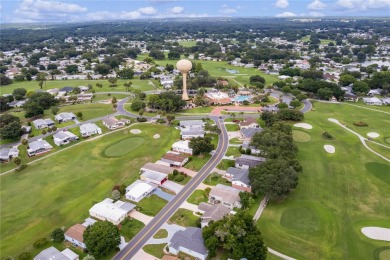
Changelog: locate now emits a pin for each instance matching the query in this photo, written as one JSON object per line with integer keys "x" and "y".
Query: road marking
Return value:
{"x": 156, "y": 222}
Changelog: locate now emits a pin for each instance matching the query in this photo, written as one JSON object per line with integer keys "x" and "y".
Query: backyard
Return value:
{"x": 59, "y": 190}
{"x": 337, "y": 194}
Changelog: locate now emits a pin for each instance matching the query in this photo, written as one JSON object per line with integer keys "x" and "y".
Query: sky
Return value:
{"x": 63, "y": 11}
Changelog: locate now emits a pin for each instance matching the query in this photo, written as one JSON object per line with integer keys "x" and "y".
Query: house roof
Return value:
{"x": 70, "y": 254}
{"x": 67, "y": 89}
{"x": 250, "y": 132}
{"x": 50, "y": 254}
{"x": 76, "y": 232}
{"x": 110, "y": 210}
{"x": 182, "y": 144}
{"x": 192, "y": 132}
{"x": 248, "y": 121}
{"x": 154, "y": 175}
{"x": 89, "y": 127}
{"x": 213, "y": 212}
{"x": 239, "y": 175}
{"x": 228, "y": 195}
{"x": 251, "y": 161}
{"x": 139, "y": 187}
{"x": 64, "y": 135}
{"x": 174, "y": 157}
{"x": 65, "y": 115}
{"x": 5, "y": 153}
{"x": 39, "y": 144}
{"x": 110, "y": 120}
{"x": 190, "y": 238}
{"x": 191, "y": 123}
{"x": 156, "y": 168}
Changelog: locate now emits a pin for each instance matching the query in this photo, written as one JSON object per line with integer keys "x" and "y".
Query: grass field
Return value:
{"x": 184, "y": 217}
{"x": 59, "y": 191}
{"x": 323, "y": 42}
{"x": 98, "y": 97}
{"x": 216, "y": 179}
{"x": 143, "y": 85}
{"x": 155, "y": 250}
{"x": 232, "y": 127}
{"x": 197, "y": 162}
{"x": 123, "y": 146}
{"x": 131, "y": 228}
{"x": 235, "y": 141}
{"x": 197, "y": 197}
{"x": 89, "y": 111}
{"x": 337, "y": 194}
{"x": 187, "y": 43}
{"x": 197, "y": 110}
{"x": 162, "y": 233}
{"x": 152, "y": 205}
{"x": 233, "y": 151}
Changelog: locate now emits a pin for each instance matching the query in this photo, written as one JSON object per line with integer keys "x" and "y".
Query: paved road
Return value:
{"x": 148, "y": 231}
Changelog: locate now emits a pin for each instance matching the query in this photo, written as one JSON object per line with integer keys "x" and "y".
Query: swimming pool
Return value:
{"x": 241, "y": 98}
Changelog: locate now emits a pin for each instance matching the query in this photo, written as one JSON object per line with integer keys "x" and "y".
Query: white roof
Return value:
{"x": 89, "y": 127}
{"x": 70, "y": 254}
{"x": 138, "y": 188}
{"x": 372, "y": 99}
{"x": 111, "y": 211}
{"x": 182, "y": 144}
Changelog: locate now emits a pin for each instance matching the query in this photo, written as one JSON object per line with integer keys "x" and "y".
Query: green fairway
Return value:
{"x": 300, "y": 136}
{"x": 89, "y": 111}
{"x": 59, "y": 190}
{"x": 142, "y": 85}
{"x": 123, "y": 147}
{"x": 337, "y": 194}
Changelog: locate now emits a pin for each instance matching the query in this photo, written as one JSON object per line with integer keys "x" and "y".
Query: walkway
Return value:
{"x": 164, "y": 195}
{"x": 171, "y": 229}
{"x": 140, "y": 216}
{"x": 361, "y": 138}
{"x": 260, "y": 209}
{"x": 189, "y": 206}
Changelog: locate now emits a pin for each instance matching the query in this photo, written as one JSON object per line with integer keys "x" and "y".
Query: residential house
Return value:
{"x": 67, "y": 89}
{"x": 153, "y": 167}
{"x": 372, "y": 101}
{"x": 373, "y": 92}
{"x": 173, "y": 159}
{"x": 190, "y": 242}
{"x": 75, "y": 235}
{"x": 114, "y": 212}
{"x": 84, "y": 97}
{"x": 26, "y": 129}
{"x": 64, "y": 117}
{"x": 64, "y": 137}
{"x": 239, "y": 178}
{"x": 211, "y": 212}
{"x": 350, "y": 97}
{"x": 17, "y": 103}
{"x": 52, "y": 91}
{"x": 53, "y": 253}
{"x": 89, "y": 129}
{"x": 249, "y": 123}
{"x": 191, "y": 128}
{"x": 6, "y": 154}
{"x": 246, "y": 145}
{"x": 248, "y": 133}
{"x": 38, "y": 147}
{"x": 386, "y": 101}
{"x": 113, "y": 123}
{"x": 139, "y": 190}
{"x": 225, "y": 195}
{"x": 248, "y": 161}
{"x": 182, "y": 146}
{"x": 154, "y": 177}
{"x": 43, "y": 123}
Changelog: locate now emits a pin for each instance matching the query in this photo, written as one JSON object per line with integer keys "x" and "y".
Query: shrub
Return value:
{"x": 161, "y": 121}
{"x": 29, "y": 123}
{"x": 24, "y": 142}
{"x": 141, "y": 119}
{"x": 171, "y": 177}
{"x": 122, "y": 189}
{"x": 116, "y": 195}
{"x": 57, "y": 235}
{"x": 24, "y": 256}
{"x": 175, "y": 172}
{"x": 54, "y": 128}
{"x": 44, "y": 132}
{"x": 116, "y": 187}
{"x": 207, "y": 191}
{"x": 179, "y": 178}
{"x": 327, "y": 136}
{"x": 31, "y": 135}
{"x": 49, "y": 130}
{"x": 21, "y": 167}
{"x": 40, "y": 242}
{"x": 360, "y": 123}
{"x": 248, "y": 151}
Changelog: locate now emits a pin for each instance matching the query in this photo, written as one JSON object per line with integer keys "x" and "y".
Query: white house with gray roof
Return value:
{"x": 38, "y": 147}
{"x": 43, "y": 123}
{"x": 139, "y": 190}
{"x": 89, "y": 129}
{"x": 226, "y": 196}
{"x": 6, "y": 154}
{"x": 115, "y": 212}
{"x": 53, "y": 253}
{"x": 239, "y": 178}
{"x": 248, "y": 161}
{"x": 65, "y": 117}
{"x": 191, "y": 128}
{"x": 64, "y": 137}
{"x": 211, "y": 212}
{"x": 188, "y": 241}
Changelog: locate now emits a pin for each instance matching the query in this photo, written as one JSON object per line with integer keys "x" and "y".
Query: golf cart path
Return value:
{"x": 361, "y": 138}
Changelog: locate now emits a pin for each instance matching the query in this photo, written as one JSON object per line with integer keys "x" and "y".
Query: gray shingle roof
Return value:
{"x": 251, "y": 161}
{"x": 239, "y": 174}
{"x": 250, "y": 132}
{"x": 191, "y": 238}
{"x": 50, "y": 254}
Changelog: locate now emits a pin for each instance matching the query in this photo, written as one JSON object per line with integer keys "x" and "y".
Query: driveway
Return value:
{"x": 187, "y": 171}
{"x": 164, "y": 195}
{"x": 173, "y": 186}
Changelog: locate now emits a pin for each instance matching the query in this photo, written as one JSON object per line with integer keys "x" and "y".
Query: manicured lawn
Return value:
{"x": 225, "y": 164}
{"x": 233, "y": 151}
{"x": 214, "y": 178}
{"x": 184, "y": 217}
{"x": 197, "y": 110}
{"x": 197, "y": 197}
{"x": 184, "y": 181}
{"x": 235, "y": 141}
{"x": 142, "y": 85}
{"x": 232, "y": 127}
{"x": 197, "y": 162}
{"x": 337, "y": 194}
{"x": 155, "y": 250}
{"x": 214, "y": 139}
{"x": 162, "y": 233}
{"x": 98, "y": 97}
{"x": 124, "y": 146}
{"x": 300, "y": 136}
{"x": 187, "y": 43}
{"x": 152, "y": 205}
{"x": 131, "y": 228}
{"x": 89, "y": 111}
{"x": 230, "y": 119}
{"x": 59, "y": 190}
{"x": 380, "y": 149}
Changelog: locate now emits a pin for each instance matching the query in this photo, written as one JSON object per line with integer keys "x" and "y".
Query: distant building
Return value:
{"x": 372, "y": 101}
{"x": 113, "y": 123}
{"x": 6, "y": 154}
{"x": 114, "y": 212}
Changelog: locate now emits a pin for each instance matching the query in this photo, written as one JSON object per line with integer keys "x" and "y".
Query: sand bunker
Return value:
{"x": 377, "y": 233}
{"x": 304, "y": 125}
{"x": 156, "y": 136}
{"x": 135, "y": 131}
{"x": 373, "y": 135}
{"x": 329, "y": 148}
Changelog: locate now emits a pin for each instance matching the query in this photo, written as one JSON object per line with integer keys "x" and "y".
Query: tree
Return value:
{"x": 57, "y": 235}
{"x": 89, "y": 257}
{"x": 360, "y": 87}
{"x": 274, "y": 177}
{"x": 116, "y": 195}
{"x": 346, "y": 79}
{"x": 295, "y": 103}
{"x": 169, "y": 67}
{"x": 325, "y": 93}
{"x": 114, "y": 100}
{"x": 103, "y": 69}
{"x": 282, "y": 105}
{"x": 173, "y": 55}
{"x": 361, "y": 56}
{"x": 201, "y": 145}
{"x": 79, "y": 115}
{"x": 256, "y": 78}
{"x": 112, "y": 82}
{"x": 101, "y": 238}
{"x": 290, "y": 115}
{"x": 10, "y": 127}
{"x": 137, "y": 105}
{"x": 128, "y": 85}
{"x": 17, "y": 161}
{"x": 126, "y": 73}
{"x": 19, "y": 93}
{"x": 99, "y": 85}
{"x": 141, "y": 111}
{"x": 4, "y": 80}
{"x": 246, "y": 199}
{"x": 170, "y": 117}
{"x": 71, "y": 69}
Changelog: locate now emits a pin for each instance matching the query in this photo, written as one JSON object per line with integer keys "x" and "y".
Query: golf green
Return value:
{"x": 123, "y": 147}
{"x": 300, "y": 219}
{"x": 379, "y": 170}
{"x": 300, "y": 136}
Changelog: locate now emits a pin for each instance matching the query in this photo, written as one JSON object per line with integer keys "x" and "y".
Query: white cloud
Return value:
{"x": 281, "y": 3}
{"x": 286, "y": 15}
{"x": 316, "y": 5}
{"x": 316, "y": 14}
{"x": 363, "y": 4}
{"x": 147, "y": 10}
{"x": 176, "y": 10}
{"x": 105, "y": 15}
{"x": 227, "y": 10}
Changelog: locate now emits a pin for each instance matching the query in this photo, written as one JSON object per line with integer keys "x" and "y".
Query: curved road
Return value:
{"x": 163, "y": 216}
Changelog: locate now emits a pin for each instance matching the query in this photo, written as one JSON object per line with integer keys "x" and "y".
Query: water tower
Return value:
{"x": 184, "y": 66}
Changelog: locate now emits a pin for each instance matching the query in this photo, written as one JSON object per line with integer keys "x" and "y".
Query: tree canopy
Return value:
{"x": 10, "y": 126}
{"x": 201, "y": 145}
{"x": 101, "y": 238}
